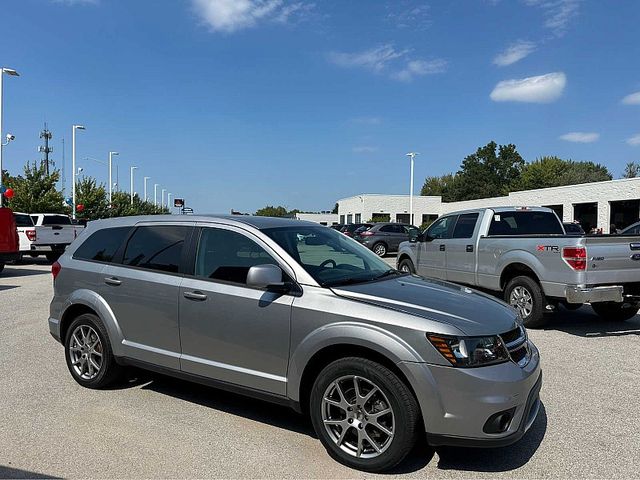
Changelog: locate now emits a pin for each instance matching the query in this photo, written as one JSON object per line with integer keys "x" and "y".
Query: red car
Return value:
{"x": 9, "y": 243}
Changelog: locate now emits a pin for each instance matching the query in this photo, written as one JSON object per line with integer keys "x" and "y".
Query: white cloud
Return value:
{"x": 634, "y": 140}
{"x": 541, "y": 89}
{"x": 580, "y": 137}
{"x": 367, "y": 120}
{"x": 514, "y": 53}
{"x": 386, "y": 58}
{"x": 557, "y": 13}
{"x": 232, "y": 15}
{"x": 632, "y": 99}
{"x": 71, "y": 3}
{"x": 412, "y": 14}
{"x": 364, "y": 149}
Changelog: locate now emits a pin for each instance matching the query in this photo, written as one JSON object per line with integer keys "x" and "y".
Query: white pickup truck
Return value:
{"x": 525, "y": 255}
{"x": 45, "y": 234}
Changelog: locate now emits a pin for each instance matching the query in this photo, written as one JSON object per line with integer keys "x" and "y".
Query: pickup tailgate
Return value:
{"x": 612, "y": 259}
{"x": 54, "y": 234}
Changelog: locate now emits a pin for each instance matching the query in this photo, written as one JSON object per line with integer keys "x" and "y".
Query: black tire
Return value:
{"x": 53, "y": 256}
{"x": 34, "y": 255}
{"x": 617, "y": 312}
{"x": 536, "y": 317}
{"x": 405, "y": 411}
{"x": 109, "y": 370}
{"x": 379, "y": 249}
{"x": 406, "y": 265}
{"x": 1, "y": 266}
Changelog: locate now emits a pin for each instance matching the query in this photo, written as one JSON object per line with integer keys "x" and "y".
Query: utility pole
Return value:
{"x": 46, "y": 149}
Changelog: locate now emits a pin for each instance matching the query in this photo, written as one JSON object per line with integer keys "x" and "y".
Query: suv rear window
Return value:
{"x": 156, "y": 247}
{"x": 23, "y": 220}
{"x": 525, "y": 223}
{"x": 102, "y": 245}
{"x": 56, "y": 220}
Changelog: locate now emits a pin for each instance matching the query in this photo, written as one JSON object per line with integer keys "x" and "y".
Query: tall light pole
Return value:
{"x": 8, "y": 71}
{"x": 73, "y": 167}
{"x": 111, "y": 154}
{"x": 412, "y": 156}
{"x": 163, "y": 190}
{"x": 169, "y": 202}
{"x": 132, "y": 169}
{"x": 145, "y": 187}
{"x": 155, "y": 193}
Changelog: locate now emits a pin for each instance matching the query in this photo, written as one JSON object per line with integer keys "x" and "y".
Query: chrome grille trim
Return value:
{"x": 515, "y": 347}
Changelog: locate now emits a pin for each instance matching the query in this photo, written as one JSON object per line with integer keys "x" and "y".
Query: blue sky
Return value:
{"x": 242, "y": 103}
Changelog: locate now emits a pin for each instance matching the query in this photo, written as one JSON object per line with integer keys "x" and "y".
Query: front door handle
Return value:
{"x": 195, "y": 296}
{"x": 443, "y": 248}
{"x": 469, "y": 248}
{"x": 112, "y": 281}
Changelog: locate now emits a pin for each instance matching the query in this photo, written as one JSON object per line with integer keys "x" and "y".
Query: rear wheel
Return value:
{"x": 380, "y": 249}
{"x": 406, "y": 266}
{"x": 526, "y": 296}
{"x": 618, "y": 312}
{"x": 364, "y": 415}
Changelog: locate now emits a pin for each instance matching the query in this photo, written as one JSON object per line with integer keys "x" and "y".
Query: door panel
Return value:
{"x": 460, "y": 249}
{"x": 432, "y": 257}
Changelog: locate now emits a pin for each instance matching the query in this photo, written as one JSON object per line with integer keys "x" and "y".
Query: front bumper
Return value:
{"x": 583, "y": 294}
{"x": 456, "y": 403}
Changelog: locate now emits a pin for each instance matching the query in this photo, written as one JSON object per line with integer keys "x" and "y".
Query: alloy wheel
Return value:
{"x": 358, "y": 417}
{"x": 380, "y": 250}
{"x": 85, "y": 352}
{"x": 522, "y": 299}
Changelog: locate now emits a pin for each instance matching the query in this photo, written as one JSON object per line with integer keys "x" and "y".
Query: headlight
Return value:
{"x": 470, "y": 351}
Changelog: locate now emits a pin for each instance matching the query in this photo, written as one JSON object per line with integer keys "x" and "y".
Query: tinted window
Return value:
{"x": 465, "y": 225}
{"x": 56, "y": 220}
{"x": 23, "y": 220}
{"x": 156, "y": 248}
{"x": 441, "y": 228}
{"x": 525, "y": 223}
{"x": 102, "y": 245}
{"x": 228, "y": 256}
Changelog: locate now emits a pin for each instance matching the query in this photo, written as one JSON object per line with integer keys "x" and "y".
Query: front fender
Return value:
{"x": 408, "y": 249}
{"x": 345, "y": 333}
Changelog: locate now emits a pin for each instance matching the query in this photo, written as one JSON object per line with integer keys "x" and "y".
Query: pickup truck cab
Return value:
{"x": 8, "y": 237}
{"x": 524, "y": 254}
{"x": 53, "y": 233}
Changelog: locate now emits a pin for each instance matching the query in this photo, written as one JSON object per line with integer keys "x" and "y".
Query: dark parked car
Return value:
{"x": 386, "y": 237}
{"x": 573, "y": 228}
{"x": 633, "y": 229}
{"x": 337, "y": 226}
{"x": 349, "y": 230}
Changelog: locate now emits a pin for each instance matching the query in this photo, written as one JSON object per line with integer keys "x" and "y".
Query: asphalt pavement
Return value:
{"x": 153, "y": 426}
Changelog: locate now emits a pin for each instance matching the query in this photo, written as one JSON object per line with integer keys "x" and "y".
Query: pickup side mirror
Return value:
{"x": 416, "y": 237}
{"x": 267, "y": 276}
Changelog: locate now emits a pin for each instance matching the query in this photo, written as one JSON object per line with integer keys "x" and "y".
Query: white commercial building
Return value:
{"x": 322, "y": 218}
{"x": 594, "y": 205}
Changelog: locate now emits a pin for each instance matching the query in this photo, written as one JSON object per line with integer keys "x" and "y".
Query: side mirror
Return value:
{"x": 415, "y": 237}
{"x": 265, "y": 276}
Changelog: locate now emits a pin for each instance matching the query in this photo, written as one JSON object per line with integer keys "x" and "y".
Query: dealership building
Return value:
{"x": 593, "y": 205}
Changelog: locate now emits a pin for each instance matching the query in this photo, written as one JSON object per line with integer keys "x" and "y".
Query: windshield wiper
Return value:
{"x": 354, "y": 280}
{"x": 388, "y": 273}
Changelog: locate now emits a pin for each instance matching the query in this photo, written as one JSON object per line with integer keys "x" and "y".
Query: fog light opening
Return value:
{"x": 499, "y": 422}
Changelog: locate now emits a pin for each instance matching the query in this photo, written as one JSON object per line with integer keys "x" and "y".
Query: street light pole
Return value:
{"x": 73, "y": 167}
{"x": 132, "y": 169}
{"x": 163, "y": 190}
{"x": 412, "y": 156}
{"x": 111, "y": 154}
{"x": 145, "y": 187}
{"x": 169, "y": 202}
{"x": 155, "y": 193}
{"x": 8, "y": 71}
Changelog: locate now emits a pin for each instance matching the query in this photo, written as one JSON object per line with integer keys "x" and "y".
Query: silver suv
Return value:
{"x": 299, "y": 314}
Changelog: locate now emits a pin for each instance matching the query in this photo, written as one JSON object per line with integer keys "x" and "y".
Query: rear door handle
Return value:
{"x": 195, "y": 296}
{"x": 443, "y": 248}
{"x": 469, "y": 248}
{"x": 112, "y": 281}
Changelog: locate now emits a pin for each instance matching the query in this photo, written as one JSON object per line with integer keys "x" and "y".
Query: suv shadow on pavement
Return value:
{"x": 585, "y": 323}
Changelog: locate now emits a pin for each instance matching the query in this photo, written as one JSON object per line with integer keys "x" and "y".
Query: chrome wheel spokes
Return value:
{"x": 522, "y": 299}
{"x": 358, "y": 416}
{"x": 85, "y": 352}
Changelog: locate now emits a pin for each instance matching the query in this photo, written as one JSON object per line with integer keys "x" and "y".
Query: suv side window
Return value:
{"x": 227, "y": 256}
{"x": 465, "y": 225}
{"x": 387, "y": 229}
{"x": 442, "y": 227}
{"x": 102, "y": 245}
{"x": 156, "y": 247}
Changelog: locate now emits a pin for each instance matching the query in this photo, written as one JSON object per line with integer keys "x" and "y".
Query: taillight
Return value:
{"x": 366, "y": 234}
{"x": 576, "y": 257}
{"x": 55, "y": 269}
{"x": 31, "y": 235}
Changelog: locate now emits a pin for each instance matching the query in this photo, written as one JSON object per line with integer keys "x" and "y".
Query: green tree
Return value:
{"x": 35, "y": 191}
{"x": 631, "y": 170}
{"x": 121, "y": 206}
{"x": 93, "y": 198}
{"x": 271, "y": 211}
{"x": 542, "y": 173}
{"x": 440, "y": 186}
{"x": 584, "y": 172}
{"x": 335, "y": 209}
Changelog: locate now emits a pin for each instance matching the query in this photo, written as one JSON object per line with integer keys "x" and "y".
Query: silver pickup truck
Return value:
{"x": 524, "y": 254}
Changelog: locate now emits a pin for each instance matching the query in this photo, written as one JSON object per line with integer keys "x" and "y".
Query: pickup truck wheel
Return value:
{"x": 406, "y": 266}
{"x": 618, "y": 312}
{"x": 364, "y": 415}
{"x": 526, "y": 296}
{"x": 380, "y": 249}
{"x": 88, "y": 352}
{"x": 53, "y": 256}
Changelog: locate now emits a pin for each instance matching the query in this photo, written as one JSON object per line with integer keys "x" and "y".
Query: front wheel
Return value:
{"x": 618, "y": 312}
{"x": 526, "y": 296}
{"x": 364, "y": 415}
{"x": 380, "y": 249}
{"x": 406, "y": 266}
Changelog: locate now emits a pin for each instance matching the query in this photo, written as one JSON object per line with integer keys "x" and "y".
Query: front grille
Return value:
{"x": 516, "y": 342}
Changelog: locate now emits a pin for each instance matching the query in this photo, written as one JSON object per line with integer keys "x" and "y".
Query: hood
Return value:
{"x": 472, "y": 312}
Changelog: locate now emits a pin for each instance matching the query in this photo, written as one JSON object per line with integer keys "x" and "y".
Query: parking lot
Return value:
{"x": 154, "y": 426}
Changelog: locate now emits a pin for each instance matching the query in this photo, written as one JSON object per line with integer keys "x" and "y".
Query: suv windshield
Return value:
{"x": 331, "y": 258}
